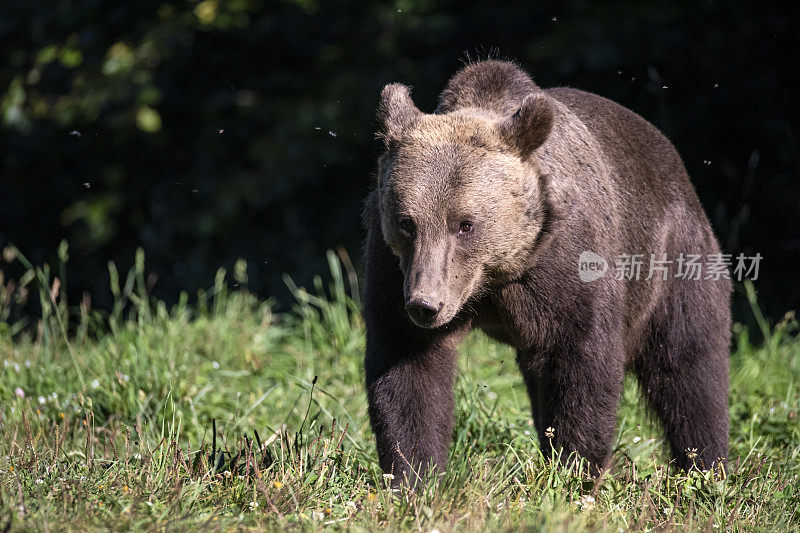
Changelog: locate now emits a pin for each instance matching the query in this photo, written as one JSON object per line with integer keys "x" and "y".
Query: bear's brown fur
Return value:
{"x": 479, "y": 218}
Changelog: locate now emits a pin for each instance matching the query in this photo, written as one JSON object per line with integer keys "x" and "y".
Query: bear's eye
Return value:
{"x": 466, "y": 227}
{"x": 406, "y": 226}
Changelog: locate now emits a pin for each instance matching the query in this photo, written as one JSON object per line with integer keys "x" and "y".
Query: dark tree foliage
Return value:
{"x": 207, "y": 131}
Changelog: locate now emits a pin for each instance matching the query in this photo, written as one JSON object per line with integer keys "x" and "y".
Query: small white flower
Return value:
{"x": 215, "y": 365}
{"x": 42, "y": 400}
{"x": 388, "y": 477}
{"x": 39, "y": 481}
{"x": 527, "y": 432}
{"x": 253, "y": 505}
{"x": 95, "y": 383}
{"x": 550, "y": 432}
{"x": 586, "y": 502}
{"x": 636, "y": 439}
{"x": 19, "y": 392}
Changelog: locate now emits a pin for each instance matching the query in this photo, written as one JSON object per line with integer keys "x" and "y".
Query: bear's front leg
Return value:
{"x": 410, "y": 393}
{"x": 575, "y": 394}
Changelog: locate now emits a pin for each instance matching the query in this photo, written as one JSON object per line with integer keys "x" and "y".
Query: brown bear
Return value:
{"x": 504, "y": 211}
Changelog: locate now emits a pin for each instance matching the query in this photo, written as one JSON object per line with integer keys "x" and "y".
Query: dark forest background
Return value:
{"x": 208, "y": 131}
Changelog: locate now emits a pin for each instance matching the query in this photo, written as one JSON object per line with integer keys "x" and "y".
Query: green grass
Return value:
{"x": 107, "y": 421}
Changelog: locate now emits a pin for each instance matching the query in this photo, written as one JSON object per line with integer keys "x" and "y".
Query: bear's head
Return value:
{"x": 462, "y": 201}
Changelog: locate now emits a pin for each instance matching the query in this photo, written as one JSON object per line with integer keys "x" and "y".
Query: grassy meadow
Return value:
{"x": 221, "y": 414}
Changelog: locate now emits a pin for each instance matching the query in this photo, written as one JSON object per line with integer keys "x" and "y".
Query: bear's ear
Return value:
{"x": 396, "y": 112}
{"x": 528, "y": 128}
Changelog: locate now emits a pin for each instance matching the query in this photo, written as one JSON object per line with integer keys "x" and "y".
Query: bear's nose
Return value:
{"x": 422, "y": 311}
